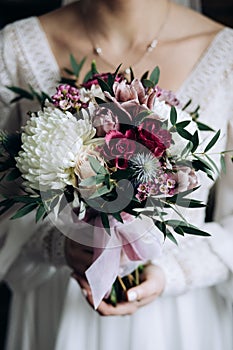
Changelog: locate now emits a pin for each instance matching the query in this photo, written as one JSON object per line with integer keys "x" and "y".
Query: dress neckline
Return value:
{"x": 187, "y": 81}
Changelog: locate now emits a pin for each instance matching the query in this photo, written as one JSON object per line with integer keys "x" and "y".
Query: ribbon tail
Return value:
{"x": 102, "y": 273}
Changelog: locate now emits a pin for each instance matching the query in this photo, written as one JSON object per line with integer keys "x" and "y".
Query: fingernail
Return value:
{"x": 84, "y": 291}
{"x": 132, "y": 295}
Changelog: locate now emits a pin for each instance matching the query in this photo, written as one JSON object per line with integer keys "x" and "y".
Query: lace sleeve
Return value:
{"x": 29, "y": 252}
{"x": 201, "y": 262}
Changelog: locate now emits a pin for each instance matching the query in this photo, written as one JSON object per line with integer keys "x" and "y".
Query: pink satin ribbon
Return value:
{"x": 136, "y": 240}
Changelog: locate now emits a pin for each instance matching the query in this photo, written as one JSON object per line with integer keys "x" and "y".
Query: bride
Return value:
{"x": 185, "y": 300}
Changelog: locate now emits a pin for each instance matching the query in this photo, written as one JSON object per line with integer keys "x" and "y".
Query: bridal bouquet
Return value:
{"x": 124, "y": 150}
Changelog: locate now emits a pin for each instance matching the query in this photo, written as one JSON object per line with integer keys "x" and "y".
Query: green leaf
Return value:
{"x": 183, "y": 124}
{"x": 99, "y": 100}
{"x": 22, "y": 92}
{"x": 40, "y": 212}
{"x": 100, "y": 192}
{"x": 131, "y": 74}
{"x": 213, "y": 141}
{"x": 64, "y": 80}
{"x": 170, "y": 236}
{"x": 105, "y": 222}
{"x": 113, "y": 296}
{"x": 212, "y": 163}
{"x": 185, "y": 134}
{"x": 223, "y": 163}
{"x": 118, "y": 217}
{"x": 161, "y": 226}
{"x": 195, "y": 141}
{"x": 104, "y": 86}
{"x": 179, "y": 230}
{"x": 154, "y": 77}
{"x": 192, "y": 230}
{"x": 94, "y": 69}
{"x": 24, "y": 210}
{"x": 117, "y": 70}
{"x": 144, "y": 76}
{"x": 148, "y": 83}
{"x": 13, "y": 175}
{"x": 90, "y": 181}
{"x": 96, "y": 166}
{"x": 76, "y": 66}
{"x": 140, "y": 117}
{"x": 190, "y": 203}
{"x": 173, "y": 116}
{"x": 187, "y": 104}
{"x": 88, "y": 76}
{"x": 187, "y": 149}
{"x": 204, "y": 163}
{"x": 68, "y": 71}
{"x": 204, "y": 127}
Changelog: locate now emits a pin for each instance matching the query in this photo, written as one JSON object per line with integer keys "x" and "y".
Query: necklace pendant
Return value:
{"x": 98, "y": 51}
{"x": 127, "y": 71}
{"x": 152, "y": 45}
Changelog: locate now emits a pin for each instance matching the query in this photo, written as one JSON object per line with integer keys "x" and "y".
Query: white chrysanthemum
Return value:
{"x": 50, "y": 144}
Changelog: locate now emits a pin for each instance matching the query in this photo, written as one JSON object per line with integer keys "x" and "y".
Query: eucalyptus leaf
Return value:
{"x": 173, "y": 116}
{"x": 96, "y": 166}
{"x": 40, "y": 212}
{"x": 212, "y": 141}
{"x": 223, "y": 163}
{"x": 148, "y": 83}
{"x": 186, "y": 105}
{"x": 26, "y": 209}
{"x": 155, "y": 74}
{"x": 195, "y": 141}
{"x": 204, "y": 127}
{"x": 13, "y": 175}
{"x": 105, "y": 222}
{"x": 22, "y": 92}
{"x": 104, "y": 86}
{"x": 183, "y": 124}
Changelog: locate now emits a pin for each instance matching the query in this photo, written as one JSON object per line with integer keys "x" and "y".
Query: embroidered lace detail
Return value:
{"x": 193, "y": 264}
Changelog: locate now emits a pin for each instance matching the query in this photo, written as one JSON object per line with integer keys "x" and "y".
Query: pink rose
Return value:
{"x": 124, "y": 91}
{"x": 119, "y": 148}
{"x": 152, "y": 136}
{"x": 186, "y": 179}
{"x": 104, "y": 121}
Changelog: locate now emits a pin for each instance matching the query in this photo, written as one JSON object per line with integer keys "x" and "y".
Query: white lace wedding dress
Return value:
{"x": 48, "y": 310}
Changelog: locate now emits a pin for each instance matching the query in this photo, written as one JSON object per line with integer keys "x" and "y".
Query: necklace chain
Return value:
{"x": 97, "y": 50}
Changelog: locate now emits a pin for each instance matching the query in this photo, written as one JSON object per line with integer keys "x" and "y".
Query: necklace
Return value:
{"x": 98, "y": 51}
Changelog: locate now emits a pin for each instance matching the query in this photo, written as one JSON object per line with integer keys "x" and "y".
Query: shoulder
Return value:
{"x": 200, "y": 34}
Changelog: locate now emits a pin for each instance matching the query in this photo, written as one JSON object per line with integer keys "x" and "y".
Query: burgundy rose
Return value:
{"x": 119, "y": 148}
{"x": 103, "y": 76}
{"x": 104, "y": 121}
{"x": 152, "y": 136}
{"x": 94, "y": 80}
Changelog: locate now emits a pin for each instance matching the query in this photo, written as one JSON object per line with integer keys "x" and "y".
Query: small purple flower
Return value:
{"x": 67, "y": 98}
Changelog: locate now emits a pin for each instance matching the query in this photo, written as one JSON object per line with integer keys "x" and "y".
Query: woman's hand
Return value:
{"x": 78, "y": 256}
{"x": 152, "y": 285}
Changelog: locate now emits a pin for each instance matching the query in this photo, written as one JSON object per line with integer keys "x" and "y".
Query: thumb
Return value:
{"x": 152, "y": 285}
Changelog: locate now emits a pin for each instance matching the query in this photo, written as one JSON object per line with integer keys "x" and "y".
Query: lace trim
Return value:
{"x": 37, "y": 61}
{"x": 215, "y": 63}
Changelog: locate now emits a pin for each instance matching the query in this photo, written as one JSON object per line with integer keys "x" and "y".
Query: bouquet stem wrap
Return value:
{"x": 135, "y": 240}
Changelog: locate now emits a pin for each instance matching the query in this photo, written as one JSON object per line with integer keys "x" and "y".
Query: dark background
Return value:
{"x": 11, "y": 10}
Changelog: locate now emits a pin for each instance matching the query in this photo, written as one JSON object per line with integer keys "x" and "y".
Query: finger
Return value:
{"x": 123, "y": 309}
{"x": 152, "y": 285}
